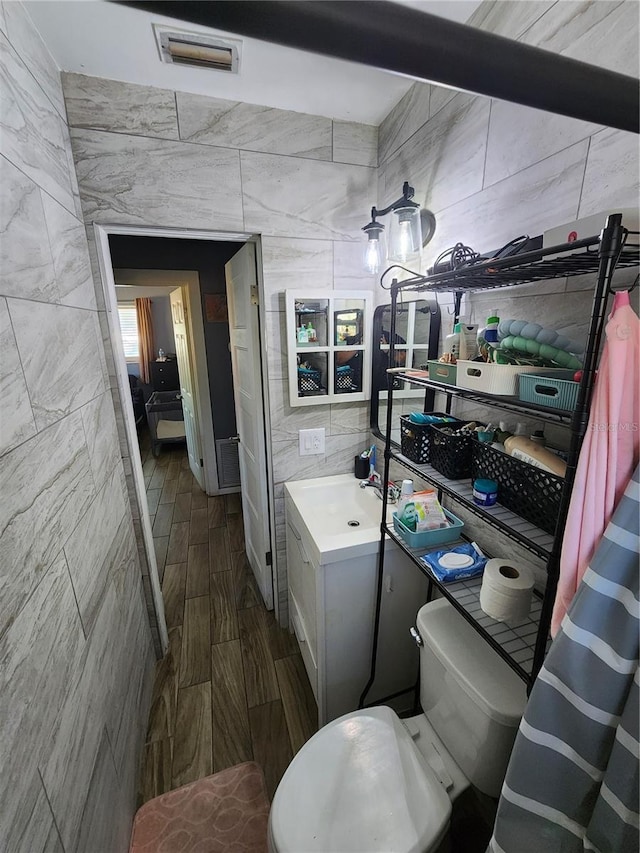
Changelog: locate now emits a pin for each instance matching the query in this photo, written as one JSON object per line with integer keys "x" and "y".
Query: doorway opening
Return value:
{"x": 185, "y": 423}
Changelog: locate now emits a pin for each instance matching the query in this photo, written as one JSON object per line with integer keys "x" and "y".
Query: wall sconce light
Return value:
{"x": 410, "y": 229}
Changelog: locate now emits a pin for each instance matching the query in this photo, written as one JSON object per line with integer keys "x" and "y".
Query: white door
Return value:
{"x": 244, "y": 330}
{"x": 183, "y": 357}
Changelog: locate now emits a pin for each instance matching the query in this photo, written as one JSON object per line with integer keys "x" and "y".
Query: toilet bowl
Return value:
{"x": 371, "y": 782}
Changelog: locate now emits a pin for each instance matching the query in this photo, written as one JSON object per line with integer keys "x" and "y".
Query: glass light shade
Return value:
{"x": 405, "y": 236}
{"x": 374, "y": 252}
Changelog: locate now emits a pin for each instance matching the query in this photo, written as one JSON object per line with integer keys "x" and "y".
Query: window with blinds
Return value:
{"x": 129, "y": 330}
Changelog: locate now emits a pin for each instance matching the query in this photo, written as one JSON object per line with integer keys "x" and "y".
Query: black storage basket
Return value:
{"x": 308, "y": 380}
{"x": 451, "y": 454}
{"x": 528, "y": 491}
{"x": 415, "y": 439}
{"x": 344, "y": 379}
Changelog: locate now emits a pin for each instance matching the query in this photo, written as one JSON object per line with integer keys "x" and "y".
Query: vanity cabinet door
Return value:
{"x": 302, "y": 601}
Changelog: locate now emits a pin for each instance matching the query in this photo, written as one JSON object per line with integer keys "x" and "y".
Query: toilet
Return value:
{"x": 369, "y": 781}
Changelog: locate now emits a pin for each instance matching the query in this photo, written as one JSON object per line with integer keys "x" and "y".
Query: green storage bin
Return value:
{"x": 555, "y": 391}
{"x": 441, "y": 372}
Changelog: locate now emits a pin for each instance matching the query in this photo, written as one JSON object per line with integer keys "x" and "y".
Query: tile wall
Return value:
{"x": 492, "y": 170}
{"x": 305, "y": 183}
{"x": 76, "y": 655}
{"x": 489, "y": 170}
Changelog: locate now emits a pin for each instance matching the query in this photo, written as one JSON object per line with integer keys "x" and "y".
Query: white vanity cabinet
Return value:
{"x": 331, "y": 610}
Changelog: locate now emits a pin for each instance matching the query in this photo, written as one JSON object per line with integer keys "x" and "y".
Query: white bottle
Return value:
{"x": 468, "y": 344}
{"x": 452, "y": 342}
{"x": 406, "y": 495}
{"x": 407, "y": 488}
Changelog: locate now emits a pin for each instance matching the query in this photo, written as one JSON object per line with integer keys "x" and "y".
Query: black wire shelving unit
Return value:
{"x": 525, "y": 646}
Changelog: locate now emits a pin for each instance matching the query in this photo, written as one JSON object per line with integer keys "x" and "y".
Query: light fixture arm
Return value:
{"x": 404, "y": 201}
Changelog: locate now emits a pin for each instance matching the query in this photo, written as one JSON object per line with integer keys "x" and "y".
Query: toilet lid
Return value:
{"x": 359, "y": 784}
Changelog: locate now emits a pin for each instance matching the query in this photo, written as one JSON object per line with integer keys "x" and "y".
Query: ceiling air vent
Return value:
{"x": 198, "y": 50}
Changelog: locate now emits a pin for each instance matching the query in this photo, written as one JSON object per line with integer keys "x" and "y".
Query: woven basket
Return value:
{"x": 528, "y": 491}
{"x": 451, "y": 454}
{"x": 344, "y": 379}
{"x": 415, "y": 439}
{"x": 308, "y": 380}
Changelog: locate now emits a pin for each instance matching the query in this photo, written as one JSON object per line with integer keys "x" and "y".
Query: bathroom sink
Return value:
{"x": 338, "y": 514}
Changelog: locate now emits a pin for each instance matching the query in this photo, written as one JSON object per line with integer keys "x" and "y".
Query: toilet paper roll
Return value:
{"x": 505, "y": 594}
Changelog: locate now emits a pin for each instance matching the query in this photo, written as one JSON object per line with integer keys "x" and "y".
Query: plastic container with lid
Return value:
{"x": 471, "y": 697}
{"x": 485, "y": 492}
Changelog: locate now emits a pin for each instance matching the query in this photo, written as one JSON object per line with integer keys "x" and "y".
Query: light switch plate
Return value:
{"x": 311, "y": 442}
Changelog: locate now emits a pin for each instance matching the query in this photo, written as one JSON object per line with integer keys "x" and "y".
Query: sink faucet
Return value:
{"x": 393, "y": 492}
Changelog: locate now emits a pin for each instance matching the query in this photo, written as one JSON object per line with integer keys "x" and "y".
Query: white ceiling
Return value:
{"x": 117, "y": 42}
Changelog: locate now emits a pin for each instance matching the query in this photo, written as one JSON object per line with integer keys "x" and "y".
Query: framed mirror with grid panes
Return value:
{"x": 328, "y": 346}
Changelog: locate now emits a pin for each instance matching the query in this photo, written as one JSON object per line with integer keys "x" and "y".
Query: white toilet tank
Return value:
{"x": 469, "y": 694}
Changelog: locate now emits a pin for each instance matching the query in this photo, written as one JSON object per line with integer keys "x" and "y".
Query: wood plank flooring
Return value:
{"x": 232, "y": 686}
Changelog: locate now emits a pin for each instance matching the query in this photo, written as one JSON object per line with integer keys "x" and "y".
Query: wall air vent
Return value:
{"x": 197, "y": 49}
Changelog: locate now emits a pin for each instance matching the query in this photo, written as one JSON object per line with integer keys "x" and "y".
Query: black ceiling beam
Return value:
{"x": 400, "y": 39}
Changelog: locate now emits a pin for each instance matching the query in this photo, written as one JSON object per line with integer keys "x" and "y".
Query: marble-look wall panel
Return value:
{"x": 25, "y": 254}
{"x": 16, "y": 417}
{"x": 276, "y": 336}
{"x": 45, "y": 486}
{"x": 408, "y": 115}
{"x": 48, "y": 480}
{"x": 33, "y": 830}
{"x": 536, "y": 198}
{"x": 355, "y": 143}
{"x": 68, "y": 243}
{"x": 128, "y": 738}
{"x": 27, "y": 42}
{"x": 604, "y": 34}
{"x": 444, "y": 160}
{"x": 125, "y": 568}
{"x": 90, "y": 548}
{"x": 509, "y": 18}
{"x": 119, "y": 670}
{"x": 73, "y": 178}
{"x": 340, "y": 451}
{"x": 294, "y": 265}
{"x": 568, "y": 313}
{"x": 100, "y": 824}
{"x": 99, "y": 423}
{"x": 74, "y": 739}
{"x": 3, "y": 21}
{"x": 135, "y": 180}
{"x": 520, "y": 136}
{"x": 348, "y": 418}
{"x": 59, "y": 350}
{"x": 99, "y": 104}
{"x": 440, "y": 96}
{"x": 38, "y": 656}
{"x": 286, "y": 421}
{"x": 248, "y": 127}
{"x": 292, "y": 197}
{"x": 96, "y": 276}
{"x": 31, "y": 129}
{"x": 611, "y": 177}
{"x": 348, "y": 267}
{"x": 289, "y": 465}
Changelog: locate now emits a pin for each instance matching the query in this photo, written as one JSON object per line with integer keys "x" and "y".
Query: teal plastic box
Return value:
{"x": 428, "y": 538}
{"x": 555, "y": 391}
